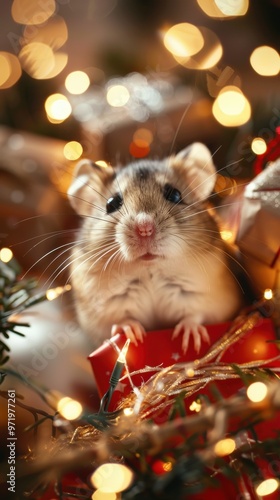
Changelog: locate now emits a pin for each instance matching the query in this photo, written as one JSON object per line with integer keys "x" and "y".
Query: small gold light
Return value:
{"x": 112, "y": 478}
{"x": 101, "y": 163}
{"x": 128, "y": 411}
{"x": 195, "y": 406}
{"x": 100, "y": 495}
{"x": 58, "y": 107}
{"x": 265, "y": 61}
{"x": 73, "y": 150}
{"x": 226, "y": 235}
{"x": 53, "y": 293}
{"x": 231, "y": 108}
{"x": 258, "y": 146}
{"x": 117, "y": 96}
{"x": 267, "y": 486}
{"x": 268, "y": 294}
{"x": 257, "y": 392}
{"x": 69, "y": 408}
{"x": 190, "y": 372}
{"x": 183, "y": 40}
{"x": 123, "y": 353}
{"x": 6, "y": 255}
{"x": 224, "y": 447}
{"x": 167, "y": 466}
{"x": 77, "y": 82}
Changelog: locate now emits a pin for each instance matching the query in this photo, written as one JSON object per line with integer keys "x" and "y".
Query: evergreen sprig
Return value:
{"x": 16, "y": 295}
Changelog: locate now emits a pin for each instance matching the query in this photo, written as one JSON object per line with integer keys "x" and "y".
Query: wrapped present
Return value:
{"x": 160, "y": 350}
{"x": 258, "y": 236}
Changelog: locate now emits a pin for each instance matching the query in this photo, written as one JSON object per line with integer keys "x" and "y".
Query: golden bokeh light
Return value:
{"x": 257, "y": 392}
{"x": 69, "y": 408}
{"x": 128, "y": 411}
{"x": 53, "y": 293}
{"x": 100, "y": 495}
{"x": 143, "y": 134}
{"x": 208, "y": 56}
{"x": 32, "y": 11}
{"x": 53, "y": 33}
{"x": 117, "y": 96}
{"x": 77, "y": 82}
{"x": 60, "y": 61}
{"x": 57, "y": 107}
{"x": 267, "y": 487}
{"x": 183, "y": 40}
{"x": 6, "y": 254}
{"x": 37, "y": 59}
{"x": 73, "y": 150}
{"x": 224, "y": 447}
{"x": 224, "y": 8}
{"x": 226, "y": 235}
{"x": 102, "y": 163}
{"x": 265, "y": 61}
{"x": 10, "y": 70}
{"x": 112, "y": 478}
{"x": 268, "y": 294}
{"x": 231, "y": 108}
{"x": 195, "y": 406}
{"x": 258, "y": 146}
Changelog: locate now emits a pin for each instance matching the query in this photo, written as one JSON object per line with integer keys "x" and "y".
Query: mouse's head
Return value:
{"x": 149, "y": 209}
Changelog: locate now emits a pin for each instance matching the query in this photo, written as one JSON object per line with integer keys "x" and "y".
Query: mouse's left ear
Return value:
{"x": 196, "y": 165}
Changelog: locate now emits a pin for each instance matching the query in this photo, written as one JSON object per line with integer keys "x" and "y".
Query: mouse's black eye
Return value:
{"x": 172, "y": 194}
{"x": 114, "y": 203}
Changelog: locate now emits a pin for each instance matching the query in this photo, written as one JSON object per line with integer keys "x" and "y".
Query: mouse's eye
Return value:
{"x": 172, "y": 194}
{"x": 114, "y": 203}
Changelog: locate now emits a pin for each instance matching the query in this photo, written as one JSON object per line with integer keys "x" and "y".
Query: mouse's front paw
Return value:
{"x": 132, "y": 329}
{"x": 195, "y": 330}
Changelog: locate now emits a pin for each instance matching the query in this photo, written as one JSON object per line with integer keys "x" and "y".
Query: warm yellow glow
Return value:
{"x": 258, "y": 146}
{"x": 112, "y": 478}
{"x": 128, "y": 411}
{"x": 226, "y": 234}
{"x": 77, "y": 82}
{"x": 183, "y": 40}
{"x": 6, "y": 254}
{"x": 102, "y": 163}
{"x": 37, "y": 59}
{"x": 10, "y": 70}
{"x": 69, "y": 408}
{"x": 117, "y": 96}
{"x": 224, "y": 8}
{"x": 73, "y": 150}
{"x": 265, "y": 61}
{"x": 123, "y": 352}
{"x": 143, "y": 134}
{"x": 167, "y": 466}
{"x": 58, "y": 107}
{"x": 231, "y": 108}
{"x": 32, "y": 11}
{"x": 60, "y": 61}
{"x": 195, "y": 406}
{"x": 208, "y": 56}
{"x": 267, "y": 487}
{"x": 230, "y": 8}
{"x": 268, "y": 294}
{"x": 224, "y": 447}
{"x": 257, "y": 392}
{"x": 100, "y": 495}
{"x": 53, "y": 293}
{"x": 190, "y": 372}
{"x": 53, "y": 33}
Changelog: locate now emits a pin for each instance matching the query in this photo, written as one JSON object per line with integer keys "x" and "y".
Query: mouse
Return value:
{"x": 148, "y": 254}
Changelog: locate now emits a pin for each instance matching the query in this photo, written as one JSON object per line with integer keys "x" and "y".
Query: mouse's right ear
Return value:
{"x": 89, "y": 186}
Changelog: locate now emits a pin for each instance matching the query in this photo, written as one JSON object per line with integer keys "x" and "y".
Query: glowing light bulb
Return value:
{"x": 267, "y": 487}
{"x": 6, "y": 254}
{"x": 226, "y": 235}
{"x": 77, "y": 82}
{"x": 190, "y": 372}
{"x": 69, "y": 408}
{"x": 231, "y": 108}
{"x": 53, "y": 293}
{"x": 224, "y": 447}
{"x": 128, "y": 411}
{"x": 73, "y": 150}
{"x": 123, "y": 353}
{"x": 183, "y": 40}
{"x": 112, "y": 478}
{"x": 100, "y": 495}
{"x": 257, "y": 392}
{"x": 195, "y": 406}
{"x": 58, "y": 107}
{"x": 117, "y": 96}
{"x": 265, "y": 61}
{"x": 268, "y": 294}
{"x": 258, "y": 146}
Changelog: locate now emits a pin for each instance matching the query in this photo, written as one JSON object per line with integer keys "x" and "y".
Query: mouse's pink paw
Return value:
{"x": 188, "y": 329}
{"x": 132, "y": 329}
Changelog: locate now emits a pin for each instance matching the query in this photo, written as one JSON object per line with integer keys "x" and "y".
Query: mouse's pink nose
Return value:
{"x": 144, "y": 225}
